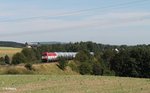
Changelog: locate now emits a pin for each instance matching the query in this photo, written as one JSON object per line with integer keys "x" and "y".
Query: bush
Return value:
{"x": 2, "y": 61}
{"x": 7, "y": 59}
{"x": 62, "y": 63}
{"x": 85, "y": 68}
{"x": 74, "y": 66}
{"x": 83, "y": 56}
{"x": 18, "y": 58}
{"x": 29, "y": 54}
{"x": 14, "y": 70}
{"x": 108, "y": 72}
{"x": 28, "y": 66}
{"x": 97, "y": 69}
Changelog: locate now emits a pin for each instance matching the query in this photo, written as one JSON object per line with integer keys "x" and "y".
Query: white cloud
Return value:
{"x": 96, "y": 21}
{"x": 93, "y": 26}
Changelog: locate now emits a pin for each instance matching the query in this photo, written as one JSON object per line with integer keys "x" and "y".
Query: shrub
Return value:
{"x": 74, "y": 66}
{"x": 108, "y": 72}
{"x": 28, "y": 66}
{"x": 2, "y": 61}
{"x": 29, "y": 54}
{"x": 97, "y": 69}
{"x": 14, "y": 70}
{"x": 18, "y": 58}
{"x": 85, "y": 68}
{"x": 83, "y": 56}
{"x": 7, "y": 59}
{"x": 62, "y": 63}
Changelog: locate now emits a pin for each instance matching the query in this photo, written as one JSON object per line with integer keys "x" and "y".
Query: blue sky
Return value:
{"x": 103, "y": 21}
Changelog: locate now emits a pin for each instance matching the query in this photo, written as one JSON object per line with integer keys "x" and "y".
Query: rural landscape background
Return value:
{"x": 80, "y": 46}
{"x": 23, "y": 71}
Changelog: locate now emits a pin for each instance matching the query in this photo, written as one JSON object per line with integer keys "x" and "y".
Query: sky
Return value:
{"x": 116, "y": 22}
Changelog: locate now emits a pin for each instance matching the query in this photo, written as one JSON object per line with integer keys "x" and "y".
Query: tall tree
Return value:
{"x": 18, "y": 58}
{"x": 7, "y": 59}
{"x": 29, "y": 54}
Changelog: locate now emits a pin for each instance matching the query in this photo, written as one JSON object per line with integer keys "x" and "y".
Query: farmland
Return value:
{"x": 72, "y": 84}
{"x": 10, "y": 51}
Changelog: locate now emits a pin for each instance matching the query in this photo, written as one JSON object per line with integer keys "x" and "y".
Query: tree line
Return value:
{"x": 11, "y": 44}
{"x": 128, "y": 61}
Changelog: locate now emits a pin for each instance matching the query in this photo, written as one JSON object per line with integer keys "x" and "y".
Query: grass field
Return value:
{"x": 72, "y": 84}
{"x": 10, "y": 51}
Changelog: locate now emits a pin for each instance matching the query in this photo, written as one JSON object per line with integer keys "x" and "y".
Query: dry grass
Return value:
{"x": 9, "y": 51}
{"x": 52, "y": 69}
{"x": 43, "y": 68}
{"x": 72, "y": 84}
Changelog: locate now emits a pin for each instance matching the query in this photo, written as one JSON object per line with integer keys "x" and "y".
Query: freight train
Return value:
{"x": 53, "y": 56}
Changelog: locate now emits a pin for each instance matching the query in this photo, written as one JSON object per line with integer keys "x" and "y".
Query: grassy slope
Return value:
{"x": 9, "y": 51}
{"x": 44, "y": 68}
{"x": 72, "y": 84}
{"x": 52, "y": 69}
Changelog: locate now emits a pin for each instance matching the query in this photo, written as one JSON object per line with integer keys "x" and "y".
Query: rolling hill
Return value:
{"x": 11, "y": 44}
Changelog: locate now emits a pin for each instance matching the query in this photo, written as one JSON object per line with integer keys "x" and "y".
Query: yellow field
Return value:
{"x": 10, "y": 51}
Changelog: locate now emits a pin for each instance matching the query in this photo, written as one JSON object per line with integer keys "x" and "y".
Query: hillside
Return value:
{"x": 72, "y": 84}
{"x": 43, "y": 68}
{"x": 11, "y": 44}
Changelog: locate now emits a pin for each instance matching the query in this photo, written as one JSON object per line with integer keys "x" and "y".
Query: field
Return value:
{"x": 10, "y": 51}
{"x": 72, "y": 84}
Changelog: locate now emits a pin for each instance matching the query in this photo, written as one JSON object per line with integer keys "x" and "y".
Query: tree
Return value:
{"x": 142, "y": 57}
{"x": 85, "y": 68}
{"x": 62, "y": 62}
{"x": 18, "y": 58}
{"x": 29, "y": 54}
{"x": 84, "y": 55}
{"x": 107, "y": 56}
{"x": 85, "y": 62}
{"x": 7, "y": 59}
{"x": 37, "y": 54}
{"x": 2, "y": 60}
{"x": 97, "y": 69}
{"x": 81, "y": 56}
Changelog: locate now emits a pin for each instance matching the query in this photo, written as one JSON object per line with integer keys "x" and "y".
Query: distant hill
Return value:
{"x": 36, "y": 44}
{"x": 11, "y": 44}
{"x": 48, "y": 43}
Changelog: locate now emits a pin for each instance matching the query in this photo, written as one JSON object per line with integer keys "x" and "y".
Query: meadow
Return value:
{"x": 10, "y": 51}
{"x": 72, "y": 84}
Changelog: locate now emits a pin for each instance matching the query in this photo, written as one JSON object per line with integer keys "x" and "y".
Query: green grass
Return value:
{"x": 10, "y": 51}
{"x": 72, "y": 84}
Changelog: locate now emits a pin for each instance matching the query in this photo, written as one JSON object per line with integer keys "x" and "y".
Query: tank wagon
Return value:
{"x": 53, "y": 56}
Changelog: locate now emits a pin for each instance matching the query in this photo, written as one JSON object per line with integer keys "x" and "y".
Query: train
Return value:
{"x": 53, "y": 56}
